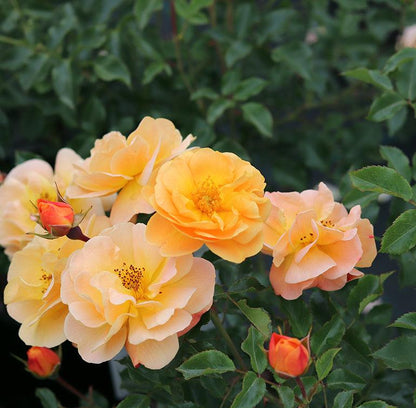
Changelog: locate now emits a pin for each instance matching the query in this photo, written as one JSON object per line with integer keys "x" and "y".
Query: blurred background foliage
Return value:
{"x": 305, "y": 89}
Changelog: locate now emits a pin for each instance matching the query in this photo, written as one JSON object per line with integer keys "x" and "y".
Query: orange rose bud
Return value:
{"x": 42, "y": 361}
{"x": 288, "y": 356}
{"x": 56, "y": 217}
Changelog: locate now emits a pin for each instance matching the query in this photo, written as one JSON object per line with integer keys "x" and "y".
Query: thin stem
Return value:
{"x": 218, "y": 325}
{"x": 325, "y": 398}
{"x": 71, "y": 389}
{"x": 302, "y": 388}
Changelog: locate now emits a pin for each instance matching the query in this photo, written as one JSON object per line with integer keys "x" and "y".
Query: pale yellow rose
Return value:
{"x": 28, "y": 182}
{"x": 125, "y": 165}
{"x": 19, "y": 193}
{"x": 32, "y": 294}
{"x": 121, "y": 291}
{"x": 208, "y": 197}
{"x": 315, "y": 242}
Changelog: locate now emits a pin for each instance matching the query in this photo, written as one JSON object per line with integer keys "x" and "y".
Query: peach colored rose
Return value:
{"x": 408, "y": 37}
{"x": 117, "y": 164}
{"x": 32, "y": 294}
{"x": 19, "y": 193}
{"x": 315, "y": 242}
{"x": 208, "y": 197}
{"x": 121, "y": 291}
{"x": 24, "y": 185}
{"x": 288, "y": 356}
{"x": 42, "y": 361}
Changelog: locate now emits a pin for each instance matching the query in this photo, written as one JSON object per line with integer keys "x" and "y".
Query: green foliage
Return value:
{"x": 307, "y": 91}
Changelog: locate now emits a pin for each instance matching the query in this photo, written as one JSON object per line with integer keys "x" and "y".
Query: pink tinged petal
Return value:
{"x": 92, "y": 344}
{"x": 331, "y": 284}
{"x": 354, "y": 274}
{"x": 351, "y": 220}
{"x": 154, "y": 354}
{"x": 328, "y": 236}
{"x": 345, "y": 254}
{"x": 324, "y": 201}
{"x": 289, "y": 203}
{"x": 129, "y": 202}
{"x": 157, "y": 318}
{"x": 366, "y": 235}
{"x": 284, "y": 289}
{"x": 313, "y": 264}
{"x": 172, "y": 242}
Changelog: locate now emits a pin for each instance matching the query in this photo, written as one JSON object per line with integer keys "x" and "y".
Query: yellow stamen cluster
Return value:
{"x": 307, "y": 239}
{"x": 207, "y": 198}
{"x": 131, "y": 277}
{"x": 46, "y": 280}
{"x": 327, "y": 223}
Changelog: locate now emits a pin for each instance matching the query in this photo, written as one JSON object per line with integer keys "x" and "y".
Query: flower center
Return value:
{"x": 46, "y": 280}
{"x": 130, "y": 276}
{"x": 207, "y": 198}
{"x": 327, "y": 223}
{"x": 307, "y": 239}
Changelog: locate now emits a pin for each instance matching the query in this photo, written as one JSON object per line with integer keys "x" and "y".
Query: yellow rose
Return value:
{"x": 121, "y": 291}
{"x": 208, "y": 197}
{"x": 117, "y": 164}
{"x": 32, "y": 293}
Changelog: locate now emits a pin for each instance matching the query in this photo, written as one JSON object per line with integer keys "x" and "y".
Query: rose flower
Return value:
{"x": 208, "y": 197}
{"x": 42, "y": 361}
{"x": 121, "y": 291}
{"x": 315, "y": 242}
{"x": 125, "y": 165}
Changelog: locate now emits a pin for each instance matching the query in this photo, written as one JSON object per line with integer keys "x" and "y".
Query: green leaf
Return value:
{"x": 204, "y": 93}
{"x": 401, "y": 235}
{"x": 29, "y": 75}
{"x": 324, "y": 363}
{"x": 47, "y": 398}
{"x": 62, "y": 83}
{"x": 135, "y": 401}
{"x": 111, "y": 68}
{"x": 206, "y": 363}
{"x": 259, "y": 116}
{"x": 372, "y": 77}
{"x": 397, "y": 160}
{"x": 299, "y": 315}
{"x": 217, "y": 108}
{"x": 386, "y": 106}
{"x": 253, "y": 391}
{"x": 143, "y": 10}
{"x": 248, "y": 88}
{"x": 381, "y": 179}
{"x": 406, "y": 321}
{"x": 396, "y": 60}
{"x": 237, "y": 51}
{"x": 286, "y": 395}
{"x": 345, "y": 380}
{"x": 399, "y": 354}
{"x": 362, "y": 198}
{"x": 253, "y": 346}
{"x": 328, "y": 336}
{"x": 375, "y": 404}
{"x": 365, "y": 287}
{"x": 154, "y": 69}
{"x": 259, "y": 317}
{"x": 396, "y": 122}
{"x": 296, "y": 56}
{"x": 344, "y": 399}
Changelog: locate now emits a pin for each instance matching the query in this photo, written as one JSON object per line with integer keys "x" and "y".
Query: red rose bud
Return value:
{"x": 288, "y": 356}
{"x": 56, "y": 217}
{"x": 42, "y": 361}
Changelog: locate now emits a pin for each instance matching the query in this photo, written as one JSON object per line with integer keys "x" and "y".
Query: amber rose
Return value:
{"x": 288, "y": 356}
{"x": 208, "y": 197}
{"x": 125, "y": 165}
{"x": 42, "y": 361}
{"x": 121, "y": 292}
{"x": 315, "y": 242}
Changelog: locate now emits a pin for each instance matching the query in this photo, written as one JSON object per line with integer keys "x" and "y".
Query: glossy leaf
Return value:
{"x": 144, "y": 9}
{"x": 397, "y": 160}
{"x": 253, "y": 346}
{"x": 399, "y": 353}
{"x": 381, "y": 179}
{"x": 258, "y": 115}
{"x": 257, "y": 316}
{"x": 286, "y": 395}
{"x": 401, "y": 235}
{"x": 206, "y": 363}
{"x": 406, "y": 321}
{"x": 345, "y": 380}
{"x": 253, "y": 391}
{"x": 47, "y": 398}
{"x": 111, "y": 68}
{"x": 328, "y": 336}
{"x": 63, "y": 84}
{"x": 344, "y": 399}
{"x": 386, "y": 106}
{"x": 325, "y": 362}
{"x": 135, "y": 401}
{"x": 372, "y": 77}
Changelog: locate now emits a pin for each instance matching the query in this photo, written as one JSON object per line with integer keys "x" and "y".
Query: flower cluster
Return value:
{"x": 107, "y": 282}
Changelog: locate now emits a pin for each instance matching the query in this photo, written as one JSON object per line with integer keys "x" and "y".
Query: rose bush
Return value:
{"x": 253, "y": 263}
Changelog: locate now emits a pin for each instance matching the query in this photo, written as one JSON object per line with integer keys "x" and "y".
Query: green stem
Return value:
{"x": 233, "y": 349}
{"x": 71, "y": 389}
{"x": 302, "y": 388}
